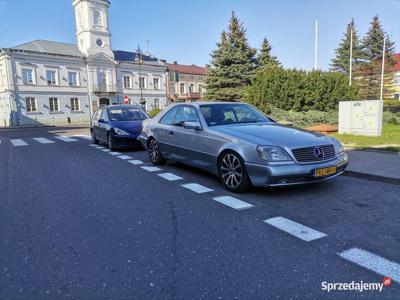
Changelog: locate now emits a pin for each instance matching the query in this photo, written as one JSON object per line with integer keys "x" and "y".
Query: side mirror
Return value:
{"x": 192, "y": 125}
{"x": 102, "y": 121}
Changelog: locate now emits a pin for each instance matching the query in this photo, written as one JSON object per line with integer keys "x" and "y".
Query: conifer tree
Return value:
{"x": 341, "y": 62}
{"x": 265, "y": 59}
{"x": 233, "y": 64}
{"x": 369, "y": 73}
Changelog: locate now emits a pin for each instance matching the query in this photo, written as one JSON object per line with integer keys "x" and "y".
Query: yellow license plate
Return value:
{"x": 325, "y": 171}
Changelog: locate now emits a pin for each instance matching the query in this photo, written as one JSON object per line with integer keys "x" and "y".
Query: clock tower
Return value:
{"x": 93, "y": 33}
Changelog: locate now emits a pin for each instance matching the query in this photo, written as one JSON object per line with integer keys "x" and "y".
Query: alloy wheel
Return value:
{"x": 154, "y": 153}
{"x": 231, "y": 170}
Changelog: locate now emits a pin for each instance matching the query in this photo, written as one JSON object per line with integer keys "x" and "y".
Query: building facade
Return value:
{"x": 45, "y": 82}
{"x": 396, "y": 77}
{"x": 185, "y": 82}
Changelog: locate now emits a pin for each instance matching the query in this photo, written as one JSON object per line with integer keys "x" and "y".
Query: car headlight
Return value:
{"x": 338, "y": 146}
{"x": 272, "y": 153}
{"x": 120, "y": 131}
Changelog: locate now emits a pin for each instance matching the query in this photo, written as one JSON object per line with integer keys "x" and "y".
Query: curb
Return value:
{"x": 372, "y": 177}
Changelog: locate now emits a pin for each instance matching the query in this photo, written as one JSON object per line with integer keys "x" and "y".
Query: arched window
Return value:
{"x": 97, "y": 20}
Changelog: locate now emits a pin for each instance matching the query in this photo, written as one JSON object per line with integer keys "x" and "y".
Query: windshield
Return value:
{"x": 126, "y": 114}
{"x": 235, "y": 113}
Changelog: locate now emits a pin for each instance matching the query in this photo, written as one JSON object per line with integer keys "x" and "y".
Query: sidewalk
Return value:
{"x": 374, "y": 165}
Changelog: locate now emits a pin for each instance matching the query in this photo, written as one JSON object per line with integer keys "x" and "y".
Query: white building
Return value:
{"x": 48, "y": 82}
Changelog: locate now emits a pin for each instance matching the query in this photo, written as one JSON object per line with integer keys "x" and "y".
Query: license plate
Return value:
{"x": 325, "y": 171}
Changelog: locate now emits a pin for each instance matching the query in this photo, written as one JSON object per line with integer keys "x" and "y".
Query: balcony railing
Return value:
{"x": 104, "y": 89}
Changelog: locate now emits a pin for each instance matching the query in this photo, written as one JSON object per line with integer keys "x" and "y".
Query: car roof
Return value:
{"x": 198, "y": 103}
{"x": 121, "y": 106}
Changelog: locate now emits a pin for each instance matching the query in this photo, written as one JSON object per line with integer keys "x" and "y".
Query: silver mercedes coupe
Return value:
{"x": 241, "y": 145}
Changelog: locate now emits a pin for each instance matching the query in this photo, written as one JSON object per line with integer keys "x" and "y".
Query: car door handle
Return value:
{"x": 170, "y": 132}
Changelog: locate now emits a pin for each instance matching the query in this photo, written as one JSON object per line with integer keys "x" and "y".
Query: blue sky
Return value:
{"x": 187, "y": 31}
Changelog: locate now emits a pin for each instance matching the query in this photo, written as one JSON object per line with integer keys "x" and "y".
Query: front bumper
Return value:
{"x": 126, "y": 141}
{"x": 292, "y": 173}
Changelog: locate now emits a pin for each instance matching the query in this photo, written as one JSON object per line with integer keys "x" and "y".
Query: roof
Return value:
{"x": 43, "y": 46}
{"x": 397, "y": 59}
{"x": 187, "y": 69}
{"x": 131, "y": 56}
{"x": 50, "y": 47}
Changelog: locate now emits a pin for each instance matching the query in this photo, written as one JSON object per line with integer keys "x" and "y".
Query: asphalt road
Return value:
{"x": 79, "y": 223}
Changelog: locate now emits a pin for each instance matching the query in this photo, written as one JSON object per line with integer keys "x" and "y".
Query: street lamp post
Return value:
{"x": 139, "y": 60}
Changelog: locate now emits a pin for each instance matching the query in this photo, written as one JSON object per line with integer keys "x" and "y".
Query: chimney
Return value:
{"x": 175, "y": 62}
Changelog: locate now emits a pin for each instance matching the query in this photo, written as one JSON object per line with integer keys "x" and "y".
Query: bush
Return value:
{"x": 296, "y": 90}
{"x": 391, "y": 118}
{"x": 152, "y": 113}
{"x": 304, "y": 119}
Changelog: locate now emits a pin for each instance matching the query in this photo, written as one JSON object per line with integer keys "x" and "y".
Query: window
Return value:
{"x": 397, "y": 96}
{"x": 127, "y": 82}
{"x": 27, "y": 76}
{"x": 201, "y": 89}
{"x": 53, "y": 104}
{"x": 396, "y": 79}
{"x": 156, "y": 103}
{"x": 75, "y": 104}
{"x": 104, "y": 115}
{"x": 126, "y": 114}
{"x": 182, "y": 88}
{"x": 142, "y": 82}
{"x": 185, "y": 114}
{"x": 1, "y": 77}
{"x": 51, "y": 76}
{"x": 220, "y": 114}
{"x": 173, "y": 91}
{"x": 168, "y": 118}
{"x": 191, "y": 88}
{"x": 73, "y": 78}
{"x": 97, "y": 20}
{"x": 30, "y": 104}
{"x": 156, "y": 83}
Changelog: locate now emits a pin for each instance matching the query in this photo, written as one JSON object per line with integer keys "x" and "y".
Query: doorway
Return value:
{"x": 104, "y": 101}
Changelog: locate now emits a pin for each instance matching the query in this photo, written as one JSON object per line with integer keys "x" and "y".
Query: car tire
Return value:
{"x": 110, "y": 142}
{"x": 94, "y": 140}
{"x": 232, "y": 172}
{"x": 154, "y": 152}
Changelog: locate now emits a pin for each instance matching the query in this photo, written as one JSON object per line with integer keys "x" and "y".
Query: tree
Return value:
{"x": 233, "y": 64}
{"x": 341, "y": 62}
{"x": 369, "y": 73}
{"x": 265, "y": 59}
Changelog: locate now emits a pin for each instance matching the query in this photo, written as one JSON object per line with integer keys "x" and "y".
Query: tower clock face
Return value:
{"x": 99, "y": 42}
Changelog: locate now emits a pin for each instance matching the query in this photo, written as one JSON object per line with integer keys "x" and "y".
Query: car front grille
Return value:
{"x": 308, "y": 154}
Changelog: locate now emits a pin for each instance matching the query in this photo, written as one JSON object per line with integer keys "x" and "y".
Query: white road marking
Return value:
{"x": 106, "y": 150}
{"x": 170, "y": 176}
{"x": 373, "y": 262}
{"x": 99, "y": 147}
{"x": 18, "y": 142}
{"x": 93, "y": 145}
{"x": 124, "y": 157}
{"x": 114, "y": 153}
{"x": 298, "y": 230}
{"x": 65, "y": 138}
{"x": 83, "y": 136}
{"x": 151, "y": 169}
{"x": 135, "y": 162}
{"x": 43, "y": 140}
{"x": 233, "y": 202}
{"x": 197, "y": 188}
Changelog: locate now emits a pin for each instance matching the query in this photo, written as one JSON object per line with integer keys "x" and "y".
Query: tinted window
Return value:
{"x": 220, "y": 114}
{"x": 104, "y": 115}
{"x": 126, "y": 114}
{"x": 185, "y": 114}
{"x": 168, "y": 118}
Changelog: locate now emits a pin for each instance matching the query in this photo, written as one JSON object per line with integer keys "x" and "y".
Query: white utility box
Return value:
{"x": 361, "y": 117}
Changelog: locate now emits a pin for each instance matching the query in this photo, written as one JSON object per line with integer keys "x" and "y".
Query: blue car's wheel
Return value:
{"x": 110, "y": 142}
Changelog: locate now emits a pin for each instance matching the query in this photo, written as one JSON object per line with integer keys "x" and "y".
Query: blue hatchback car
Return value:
{"x": 118, "y": 126}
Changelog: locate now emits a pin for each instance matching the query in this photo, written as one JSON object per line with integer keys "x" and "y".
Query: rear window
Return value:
{"x": 126, "y": 114}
